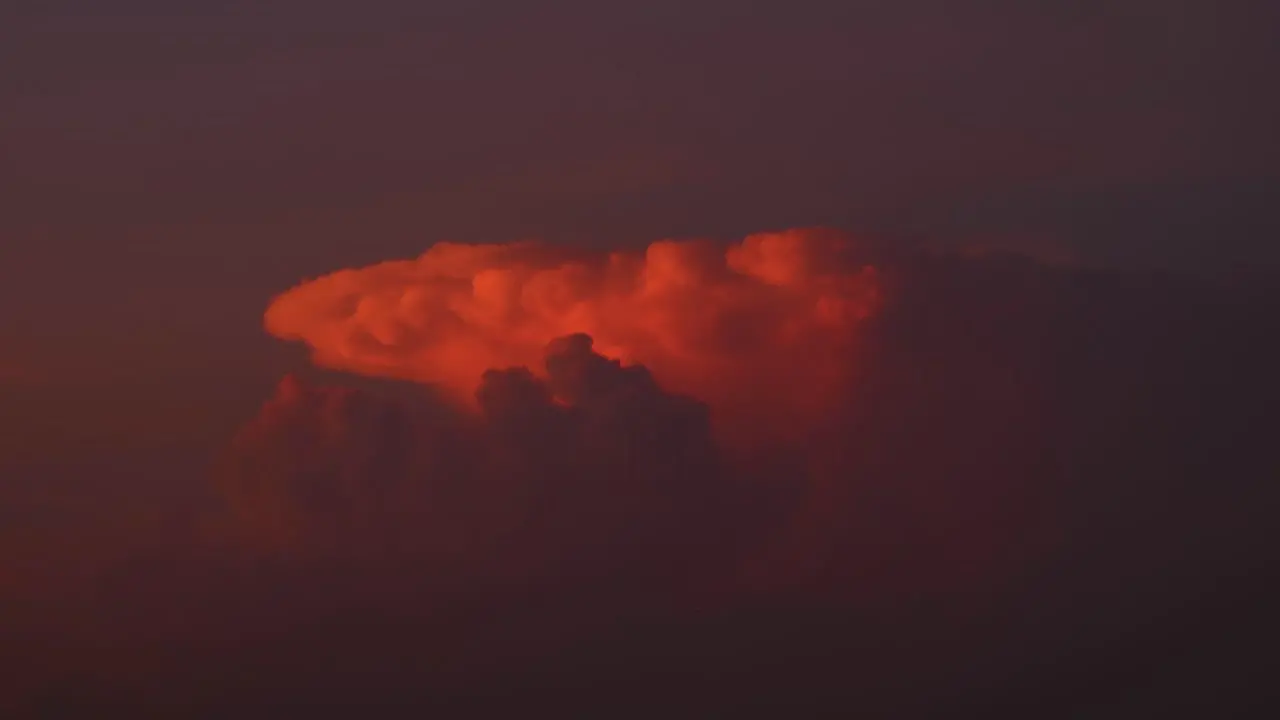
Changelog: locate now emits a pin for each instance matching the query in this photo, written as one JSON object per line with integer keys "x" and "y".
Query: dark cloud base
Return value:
{"x": 1049, "y": 493}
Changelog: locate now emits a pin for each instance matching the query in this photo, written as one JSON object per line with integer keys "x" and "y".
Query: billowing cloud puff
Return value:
{"x": 592, "y": 471}
{"x": 771, "y": 318}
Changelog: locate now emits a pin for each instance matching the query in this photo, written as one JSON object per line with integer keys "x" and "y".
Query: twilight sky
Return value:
{"x": 167, "y": 168}
{"x": 209, "y": 152}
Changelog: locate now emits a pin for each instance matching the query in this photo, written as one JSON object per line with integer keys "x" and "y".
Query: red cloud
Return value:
{"x": 769, "y": 320}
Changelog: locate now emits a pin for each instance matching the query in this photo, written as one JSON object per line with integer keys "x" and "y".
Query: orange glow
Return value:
{"x": 763, "y": 326}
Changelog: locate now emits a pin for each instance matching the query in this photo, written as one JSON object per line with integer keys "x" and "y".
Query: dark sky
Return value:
{"x": 167, "y": 167}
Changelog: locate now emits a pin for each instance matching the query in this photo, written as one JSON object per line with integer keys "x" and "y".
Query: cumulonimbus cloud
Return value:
{"x": 1024, "y": 476}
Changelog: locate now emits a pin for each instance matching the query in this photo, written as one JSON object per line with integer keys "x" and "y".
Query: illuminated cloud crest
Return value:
{"x": 774, "y": 313}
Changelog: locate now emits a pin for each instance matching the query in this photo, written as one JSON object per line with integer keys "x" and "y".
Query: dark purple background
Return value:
{"x": 166, "y": 167}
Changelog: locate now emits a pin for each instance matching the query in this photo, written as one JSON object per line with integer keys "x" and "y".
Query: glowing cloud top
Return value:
{"x": 769, "y": 319}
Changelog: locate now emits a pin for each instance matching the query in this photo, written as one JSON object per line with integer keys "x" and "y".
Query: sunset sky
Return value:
{"x": 209, "y": 153}
{"x": 169, "y": 169}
